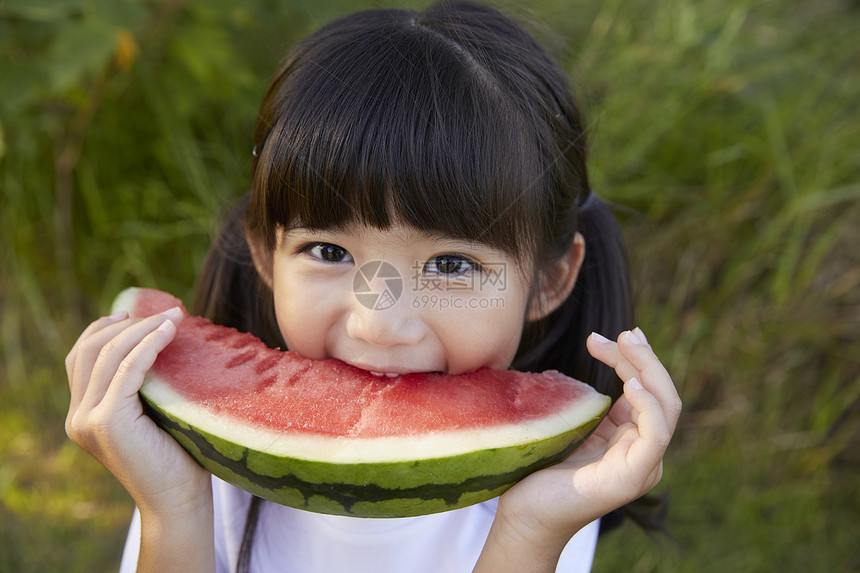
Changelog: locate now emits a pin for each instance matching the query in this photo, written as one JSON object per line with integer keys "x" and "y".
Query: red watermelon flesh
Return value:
{"x": 284, "y": 391}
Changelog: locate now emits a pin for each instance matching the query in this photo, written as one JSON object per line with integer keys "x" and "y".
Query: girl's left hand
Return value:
{"x": 620, "y": 461}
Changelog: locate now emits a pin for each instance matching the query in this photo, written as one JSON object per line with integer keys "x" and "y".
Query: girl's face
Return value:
{"x": 398, "y": 300}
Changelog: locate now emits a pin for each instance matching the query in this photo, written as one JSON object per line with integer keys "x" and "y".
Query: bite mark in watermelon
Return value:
{"x": 328, "y": 437}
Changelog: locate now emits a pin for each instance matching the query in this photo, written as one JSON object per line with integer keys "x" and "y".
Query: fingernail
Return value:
{"x": 166, "y": 326}
{"x": 175, "y": 311}
{"x": 599, "y": 337}
{"x": 633, "y": 338}
{"x": 122, "y": 315}
{"x": 637, "y": 332}
{"x": 635, "y": 384}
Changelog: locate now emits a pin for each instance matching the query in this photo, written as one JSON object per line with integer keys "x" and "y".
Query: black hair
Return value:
{"x": 453, "y": 120}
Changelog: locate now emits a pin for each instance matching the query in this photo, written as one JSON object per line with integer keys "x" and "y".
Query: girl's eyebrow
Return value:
{"x": 305, "y": 231}
{"x": 443, "y": 241}
{"x": 311, "y": 233}
{"x": 452, "y": 242}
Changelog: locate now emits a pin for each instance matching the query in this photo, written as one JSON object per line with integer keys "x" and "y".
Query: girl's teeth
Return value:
{"x": 388, "y": 374}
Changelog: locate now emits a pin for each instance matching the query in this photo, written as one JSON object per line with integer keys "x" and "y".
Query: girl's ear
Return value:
{"x": 262, "y": 257}
{"x": 557, "y": 282}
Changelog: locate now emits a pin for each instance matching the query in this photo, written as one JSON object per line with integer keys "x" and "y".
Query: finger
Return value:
{"x": 610, "y": 353}
{"x": 89, "y": 331}
{"x": 609, "y": 425}
{"x": 603, "y": 349}
{"x": 87, "y": 351}
{"x": 132, "y": 371}
{"x": 635, "y": 349}
{"x": 114, "y": 352}
{"x": 632, "y": 357}
{"x": 594, "y": 448}
{"x": 604, "y": 442}
{"x": 621, "y": 411}
{"x": 615, "y": 459}
{"x": 646, "y": 453}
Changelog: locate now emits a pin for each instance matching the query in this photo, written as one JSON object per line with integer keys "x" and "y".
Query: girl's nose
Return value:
{"x": 381, "y": 328}
{"x": 384, "y": 321}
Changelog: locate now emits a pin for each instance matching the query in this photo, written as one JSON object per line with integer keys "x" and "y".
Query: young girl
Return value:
{"x": 446, "y": 144}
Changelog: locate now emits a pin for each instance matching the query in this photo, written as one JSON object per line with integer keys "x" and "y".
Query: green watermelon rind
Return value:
{"x": 377, "y": 489}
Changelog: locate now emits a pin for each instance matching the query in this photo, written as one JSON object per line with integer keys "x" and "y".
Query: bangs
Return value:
{"x": 399, "y": 126}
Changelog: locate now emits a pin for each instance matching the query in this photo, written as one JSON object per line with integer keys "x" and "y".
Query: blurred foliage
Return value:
{"x": 727, "y": 133}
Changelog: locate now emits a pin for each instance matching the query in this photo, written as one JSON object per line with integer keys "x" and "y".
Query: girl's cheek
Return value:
{"x": 485, "y": 339}
{"x": 310, "y": 325}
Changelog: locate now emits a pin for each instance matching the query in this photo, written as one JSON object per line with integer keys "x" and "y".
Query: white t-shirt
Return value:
{"x": 289, "y": 540}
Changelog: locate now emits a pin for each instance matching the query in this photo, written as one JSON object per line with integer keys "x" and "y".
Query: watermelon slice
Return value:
{"x": 328, "y": 437}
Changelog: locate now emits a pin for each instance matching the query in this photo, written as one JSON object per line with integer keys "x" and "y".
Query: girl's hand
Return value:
{"x": 106, "y": 368}
{"x": 620, "y": 461}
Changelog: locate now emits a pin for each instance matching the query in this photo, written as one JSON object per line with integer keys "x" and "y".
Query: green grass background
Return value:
{"x": 727, "y": 133}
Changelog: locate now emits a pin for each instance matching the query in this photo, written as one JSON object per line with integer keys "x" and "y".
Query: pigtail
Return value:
{"x": 600, "y": 302}
{"x": 604, "y": 304}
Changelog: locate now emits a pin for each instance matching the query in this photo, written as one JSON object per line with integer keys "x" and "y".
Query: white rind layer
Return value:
{"x": 125, "y": 300}
{"x": 333, "y": 449}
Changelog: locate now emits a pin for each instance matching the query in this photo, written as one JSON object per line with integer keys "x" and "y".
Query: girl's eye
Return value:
{"x": 450, "y": 264}
{"x": 328, "y": 253}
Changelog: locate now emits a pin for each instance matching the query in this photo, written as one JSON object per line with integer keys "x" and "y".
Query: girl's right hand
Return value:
{"x": 106, "y": 368}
